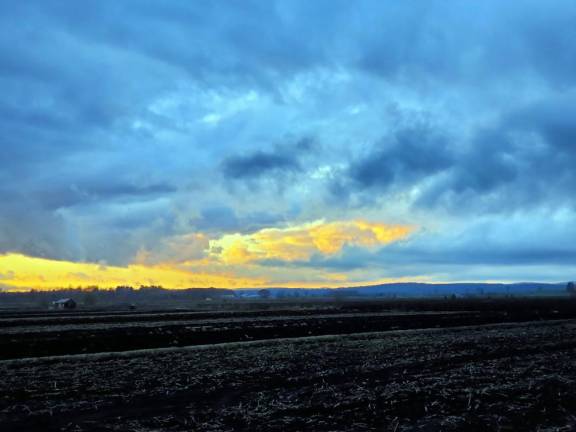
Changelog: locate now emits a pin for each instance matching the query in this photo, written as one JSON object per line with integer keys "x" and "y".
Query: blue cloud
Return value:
{"x": 258, "y": 164}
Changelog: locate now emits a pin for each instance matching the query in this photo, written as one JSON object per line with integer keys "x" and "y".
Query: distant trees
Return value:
{"x": 124, "y": 289}
{"x": 152, "y": 288}
{"x": 571, "y": 289}
{"x": 90, "y": 298}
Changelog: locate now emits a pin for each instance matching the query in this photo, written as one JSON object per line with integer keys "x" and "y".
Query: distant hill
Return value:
{"x": 416, "y": 289}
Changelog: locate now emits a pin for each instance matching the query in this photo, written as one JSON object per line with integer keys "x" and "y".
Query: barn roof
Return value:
{"x": 64, "y": 300}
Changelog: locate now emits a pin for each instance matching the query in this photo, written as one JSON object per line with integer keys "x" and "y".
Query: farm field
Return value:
{"x": 354, "y": 366}
{"x": 52, "y": 333}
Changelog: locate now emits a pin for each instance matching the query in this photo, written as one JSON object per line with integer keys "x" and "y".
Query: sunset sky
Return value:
{"x": 300, "y": 143}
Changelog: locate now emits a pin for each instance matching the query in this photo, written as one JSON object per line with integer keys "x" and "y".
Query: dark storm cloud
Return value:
{"x": 479, "y": 176}
{"x": 277, "y": 166}
{"x": 405, "y": 157}
{"x": 553, "y": 119}
{"x": 259, "y": 164}
{"x": 525, "y": 160}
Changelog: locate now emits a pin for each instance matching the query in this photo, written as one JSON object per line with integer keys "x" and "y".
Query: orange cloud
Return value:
{"x": 300, "y": 243}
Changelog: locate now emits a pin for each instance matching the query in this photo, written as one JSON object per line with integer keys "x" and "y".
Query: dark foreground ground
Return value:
{"x": 512, "y": 376}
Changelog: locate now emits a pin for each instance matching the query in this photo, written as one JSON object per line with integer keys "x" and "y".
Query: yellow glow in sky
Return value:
{"x": 231, "y": 261}
{"x": 20, "y": 271}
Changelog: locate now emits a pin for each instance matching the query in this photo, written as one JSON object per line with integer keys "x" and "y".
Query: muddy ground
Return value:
{"x": 49, "y": 333}
{"x": 497, "y": 377}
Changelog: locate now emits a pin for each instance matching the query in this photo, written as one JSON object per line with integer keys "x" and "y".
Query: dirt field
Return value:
{"x": 481, "y": 377}
{"x": 50, "y": 333}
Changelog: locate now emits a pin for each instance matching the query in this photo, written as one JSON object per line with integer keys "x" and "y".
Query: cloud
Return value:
{"x": 259, "y": 164}
{"x": 277, "y": 167}
{"x": 302, "y": 242}
{"x": 398, "y": 161}
{"x": 522, "y": 162}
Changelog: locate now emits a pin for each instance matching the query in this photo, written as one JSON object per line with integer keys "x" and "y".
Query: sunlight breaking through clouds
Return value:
{"x": 300, "y": 243}
{"x": 229, "y": 261}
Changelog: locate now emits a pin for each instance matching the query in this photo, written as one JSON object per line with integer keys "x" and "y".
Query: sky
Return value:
{"x": 290, "y": 143}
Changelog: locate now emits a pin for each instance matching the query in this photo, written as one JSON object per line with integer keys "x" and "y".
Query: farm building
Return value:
{"x": 66, "y": 303}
